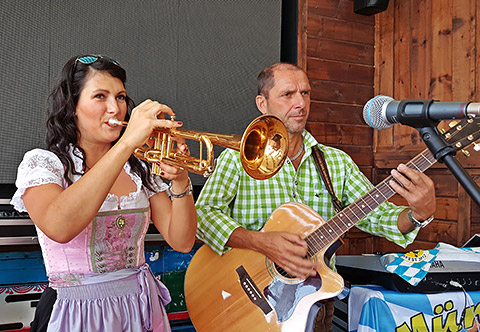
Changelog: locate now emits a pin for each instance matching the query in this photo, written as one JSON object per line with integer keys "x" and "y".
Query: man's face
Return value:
{"x": 288, "y": 99}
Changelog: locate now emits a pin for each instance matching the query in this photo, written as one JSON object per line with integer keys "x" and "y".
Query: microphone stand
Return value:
{"x": 444, "y": 153}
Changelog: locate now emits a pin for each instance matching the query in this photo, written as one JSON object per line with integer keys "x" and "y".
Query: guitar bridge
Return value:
{"x": 252, "y": 291}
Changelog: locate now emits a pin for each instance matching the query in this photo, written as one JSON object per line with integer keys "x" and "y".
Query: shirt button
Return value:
{"x": 294, "y": 196}
{"x": 296, "y": 183}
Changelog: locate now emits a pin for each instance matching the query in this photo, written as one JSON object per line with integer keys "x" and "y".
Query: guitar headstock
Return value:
{"x": 463, "y": 134}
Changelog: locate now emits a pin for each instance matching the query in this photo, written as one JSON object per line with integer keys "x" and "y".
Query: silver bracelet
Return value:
{"x": 186, "y": 192}
{"x": 417, "y": 223}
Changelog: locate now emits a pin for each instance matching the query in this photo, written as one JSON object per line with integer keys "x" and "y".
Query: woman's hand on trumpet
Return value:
{"x": 144, "y": 119}
{"x": 178, "y": 175}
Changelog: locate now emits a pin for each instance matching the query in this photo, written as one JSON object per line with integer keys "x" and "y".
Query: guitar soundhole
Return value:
{"x": 275, "y": 271}
{"x": 282, "y": 272}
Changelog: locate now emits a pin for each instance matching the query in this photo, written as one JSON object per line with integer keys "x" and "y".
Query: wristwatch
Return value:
{"x": 417, "y": 223}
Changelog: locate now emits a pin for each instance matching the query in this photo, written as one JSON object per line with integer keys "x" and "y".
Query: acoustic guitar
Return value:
{"x": 245, "y": 291}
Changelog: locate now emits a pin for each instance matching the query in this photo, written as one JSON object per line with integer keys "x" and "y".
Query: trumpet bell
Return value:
{"x": 264, "y": 147}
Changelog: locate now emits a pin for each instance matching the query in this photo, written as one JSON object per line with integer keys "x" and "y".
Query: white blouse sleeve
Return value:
{"x": 38, "y": 167}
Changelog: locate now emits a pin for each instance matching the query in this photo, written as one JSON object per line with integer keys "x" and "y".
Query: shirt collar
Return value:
{"x": 309, "y": 142}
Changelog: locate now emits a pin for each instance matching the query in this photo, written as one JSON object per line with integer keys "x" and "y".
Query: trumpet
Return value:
{"x": 263, "y": 148}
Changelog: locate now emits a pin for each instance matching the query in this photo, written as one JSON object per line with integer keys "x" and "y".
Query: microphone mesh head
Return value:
{"x": 374, "y": 112}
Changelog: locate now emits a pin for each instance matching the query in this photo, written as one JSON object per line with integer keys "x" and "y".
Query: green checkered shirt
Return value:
{"x": 231, "y": 198}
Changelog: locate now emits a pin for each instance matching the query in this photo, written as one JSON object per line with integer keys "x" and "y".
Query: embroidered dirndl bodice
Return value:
{"x": 113, "y": 241}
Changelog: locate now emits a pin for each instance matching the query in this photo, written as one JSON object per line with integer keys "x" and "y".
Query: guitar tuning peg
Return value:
{"x": 442, "y": 131}
{"x": 476, "y": 147}
{"x": 466, "y": 153}
{"x": 453, "y": 124}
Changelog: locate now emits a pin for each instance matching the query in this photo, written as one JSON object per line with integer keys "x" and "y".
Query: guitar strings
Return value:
{"x": 327, "y": 232}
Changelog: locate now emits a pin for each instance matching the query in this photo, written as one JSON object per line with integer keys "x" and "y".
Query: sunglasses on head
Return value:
{"x": 89, "y": 59}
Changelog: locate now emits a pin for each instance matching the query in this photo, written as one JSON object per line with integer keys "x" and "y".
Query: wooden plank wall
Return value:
{"x": 415, "y": 49}
{"x": 336, "y": 47}
{"x": 427, "y": 49}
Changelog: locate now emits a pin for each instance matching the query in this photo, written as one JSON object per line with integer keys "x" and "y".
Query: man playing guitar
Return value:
{"x": 233, "y": 207}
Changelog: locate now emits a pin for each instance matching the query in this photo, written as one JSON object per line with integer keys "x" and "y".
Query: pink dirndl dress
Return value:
{"x": 101, "y": 278}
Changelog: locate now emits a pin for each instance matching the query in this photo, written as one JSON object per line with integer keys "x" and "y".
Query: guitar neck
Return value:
{"x": 348, "y": 217}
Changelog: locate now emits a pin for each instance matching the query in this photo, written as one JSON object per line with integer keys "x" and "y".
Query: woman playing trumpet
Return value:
{"x": 92, "y": 201}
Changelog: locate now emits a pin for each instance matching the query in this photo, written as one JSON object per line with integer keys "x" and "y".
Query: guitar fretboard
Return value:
{"x": 348, "y": 217}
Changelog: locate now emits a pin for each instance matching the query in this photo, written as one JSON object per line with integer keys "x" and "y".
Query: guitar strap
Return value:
{"x": 321, "y": 164}
{"x": 319, "y": 159}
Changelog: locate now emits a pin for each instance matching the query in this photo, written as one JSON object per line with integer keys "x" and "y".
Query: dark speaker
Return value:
{"x": 370, "y": 7}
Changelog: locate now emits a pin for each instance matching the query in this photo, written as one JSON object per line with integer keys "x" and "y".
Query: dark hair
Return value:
{"x": 62, "y": 129}
{"x": 266, "y": 79}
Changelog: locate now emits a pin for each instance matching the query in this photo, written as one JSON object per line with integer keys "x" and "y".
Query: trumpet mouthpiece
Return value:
{"x": 114, "y": 122}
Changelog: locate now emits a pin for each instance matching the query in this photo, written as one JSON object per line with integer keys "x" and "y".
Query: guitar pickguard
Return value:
{"x": 285, "y": 296}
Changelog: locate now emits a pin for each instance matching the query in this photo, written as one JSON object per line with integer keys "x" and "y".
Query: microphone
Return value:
{"x": 382, "y": 112}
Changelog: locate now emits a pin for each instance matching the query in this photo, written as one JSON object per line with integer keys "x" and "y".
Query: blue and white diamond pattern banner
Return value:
{"x": 414, "y": 265}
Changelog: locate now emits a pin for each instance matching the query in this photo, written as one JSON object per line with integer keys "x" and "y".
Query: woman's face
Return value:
{"x": 103, "y": 97}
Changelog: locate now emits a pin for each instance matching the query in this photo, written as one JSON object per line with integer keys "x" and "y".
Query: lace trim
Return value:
{"x": 111, "y": 198}
{"x": 38, "y": 167}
